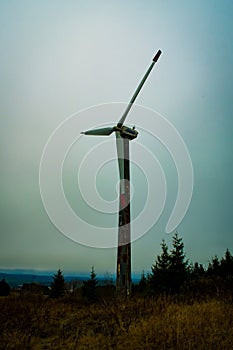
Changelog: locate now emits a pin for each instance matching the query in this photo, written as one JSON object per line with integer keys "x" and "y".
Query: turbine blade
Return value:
{"x": 155, "y": 59}
{"x": 99, "y": 132}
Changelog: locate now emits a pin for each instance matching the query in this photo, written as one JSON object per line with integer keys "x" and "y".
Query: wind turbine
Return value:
{"x": 124, "y": 134}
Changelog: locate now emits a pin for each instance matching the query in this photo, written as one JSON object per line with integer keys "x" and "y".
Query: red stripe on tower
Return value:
{"x": 123, "y": 201}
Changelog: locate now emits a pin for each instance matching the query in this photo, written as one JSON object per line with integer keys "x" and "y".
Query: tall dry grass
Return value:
{"x": 140, "y": 323}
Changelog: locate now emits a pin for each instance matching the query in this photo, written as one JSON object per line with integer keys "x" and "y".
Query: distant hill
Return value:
{"x": 17, "y": 278}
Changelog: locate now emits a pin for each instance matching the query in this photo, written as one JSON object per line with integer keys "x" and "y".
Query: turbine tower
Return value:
{"x": 124, "y": 134}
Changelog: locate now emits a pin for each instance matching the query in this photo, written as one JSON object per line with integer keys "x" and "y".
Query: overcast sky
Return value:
{"x": 60, "y": 57}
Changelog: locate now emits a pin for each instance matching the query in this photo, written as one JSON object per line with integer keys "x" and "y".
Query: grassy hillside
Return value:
{"x": 40, "y": 323}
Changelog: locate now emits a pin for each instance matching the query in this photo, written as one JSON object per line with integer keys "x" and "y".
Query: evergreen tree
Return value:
{"x": 226, "y": 264}
{"x": 160, "y": 276}
{"x": 4, "y": 288}
{"x": 142, "y": 285}
{"x": 197, "y": 271}
{"x": 89, "y": 288}
{"x": 178, "y": 264}
{"x": 226, "y": 268}
{"x": 58, "y": 285}
{"x": 214, "y": 268}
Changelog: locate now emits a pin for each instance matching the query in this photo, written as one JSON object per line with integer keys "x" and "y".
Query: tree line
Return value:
{"x": 170, "y": 274}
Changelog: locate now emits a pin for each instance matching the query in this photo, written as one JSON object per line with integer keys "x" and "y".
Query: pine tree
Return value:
{"x": 58, "y": 285}
{"x": 163, "y": 261}
{"x": 226, "y": 268}
{"x": 4, "y": 288}
{"x": 197, "y": 271}
{"x": 226, "y": 264}
{"x": 178, "y": 264}
{"x": 142, "y": 285}
{"x": 160, "y": 276}
{"x": 89, "y": 288}
{"x": 214, "y": 268}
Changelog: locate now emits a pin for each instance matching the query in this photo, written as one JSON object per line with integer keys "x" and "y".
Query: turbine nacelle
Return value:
{"x": 125, "y": 132}
{"x": 128, "y": 133}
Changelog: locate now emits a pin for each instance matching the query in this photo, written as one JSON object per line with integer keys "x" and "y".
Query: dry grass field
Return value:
{"x": 40, "y": 323}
